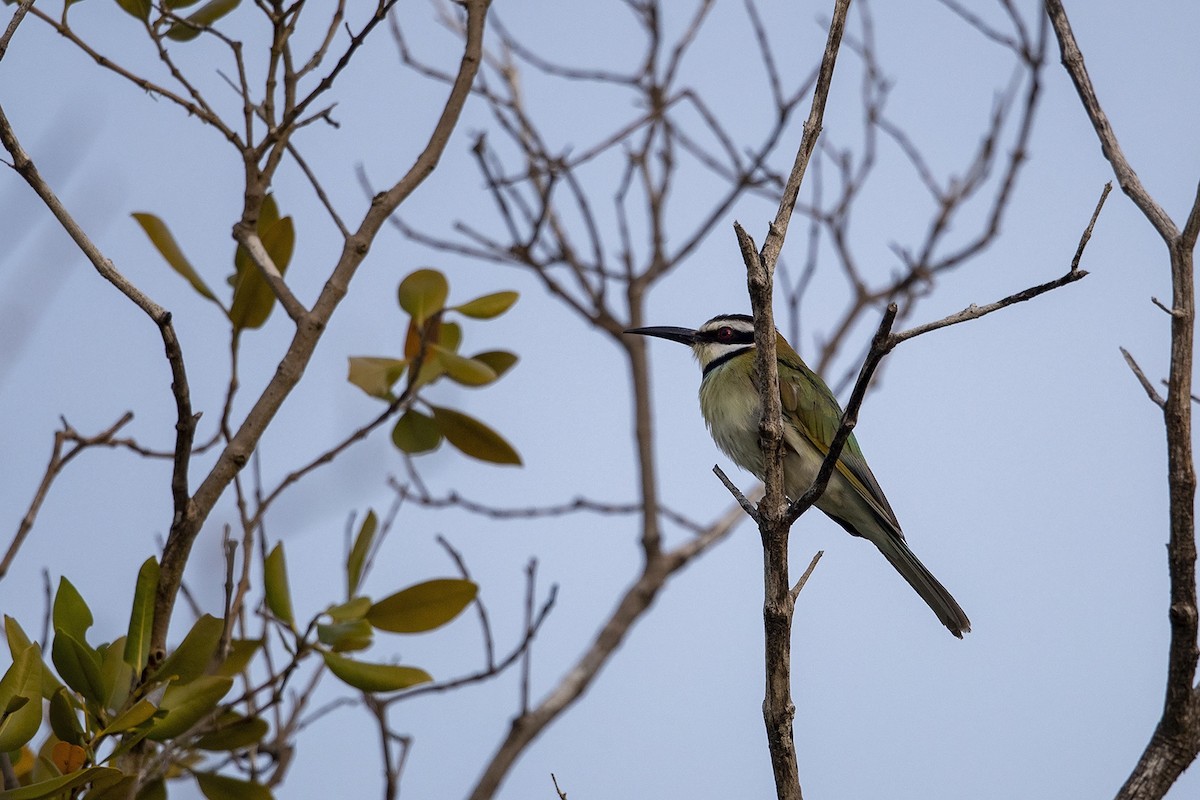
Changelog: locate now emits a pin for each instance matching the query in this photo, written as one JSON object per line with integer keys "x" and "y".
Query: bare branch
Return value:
{"x": 312, "y": 324}
{"x": 1151, "y": 392}
{"x": 58, "y": 460}
{"x": 807, "y": 574}
{"x": 1072, "y": 60}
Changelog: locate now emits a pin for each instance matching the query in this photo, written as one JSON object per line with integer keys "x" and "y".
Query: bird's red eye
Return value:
{"x": 725, "y": 334}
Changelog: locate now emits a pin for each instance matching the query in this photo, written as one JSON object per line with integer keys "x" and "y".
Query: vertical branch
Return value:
{"x": 778, "y": 601}
{"x": 312, "y": 325}
{"x": 1175, "y": 742}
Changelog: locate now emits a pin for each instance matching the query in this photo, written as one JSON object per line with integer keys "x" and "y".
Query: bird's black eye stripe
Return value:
{"x": 727, "y": 334}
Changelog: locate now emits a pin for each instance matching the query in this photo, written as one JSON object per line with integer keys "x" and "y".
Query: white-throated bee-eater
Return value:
{"x": 729, "y": 401}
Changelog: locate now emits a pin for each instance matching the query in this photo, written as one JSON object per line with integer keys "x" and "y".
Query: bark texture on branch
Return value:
{"x": 1175, "y": 742}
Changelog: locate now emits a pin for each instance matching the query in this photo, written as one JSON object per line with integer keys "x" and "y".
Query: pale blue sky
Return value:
{"x": 1019, "y": 452}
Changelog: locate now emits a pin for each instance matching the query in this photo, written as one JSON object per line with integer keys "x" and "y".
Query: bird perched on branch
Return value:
{"x": 729, "y": 401}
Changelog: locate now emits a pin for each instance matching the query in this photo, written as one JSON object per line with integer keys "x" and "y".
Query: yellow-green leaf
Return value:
{"x": 17, "y": 642}
{"x": 374, "y": 677}
{"x": 137, "y": 8}
{"x": 424, "y": 606}
{"x": 141, "y": 617}
{"x": 222, "y": 787}
{"x": 253, "y": 297}
{"x": 375, "y": 375}
{"x": 346, "y": 637}
{"x": 71, "y": 613}
{"x": 462, "y": 370}
{"x": 474, "y": 438}
{"x": 423, "y": 294}
{"x": 154, "y": 790}
{"x": 449, "y": 336}
{"x": 205, "y": 16}
{"x": 120, "y": 789}
{"x": 186, "y": 704}
{"x": 232, "y": 731}
{"x": 488, "y": 306}
{"x": 356, "y": 561}
{"x": 240, "y": 653}
{"x": 349, "y": 610}
{"x": 275, "y": 582}
{"x": 415, "y": 432}
{"x": 501, "y": 361}
{"x": 57, "y": 786}
{"x": 116, "y": 675}
{"x": 63, "y": 720}
{"x": 164, "y": 242}
{"x": 194, "y": 654}
{"x": 131, "y": 717}
{"x": 21, "y": 699}
{"x": 79, "y": 666}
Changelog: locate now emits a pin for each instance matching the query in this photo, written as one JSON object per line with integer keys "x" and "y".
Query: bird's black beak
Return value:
{"x": 682, "y": 335}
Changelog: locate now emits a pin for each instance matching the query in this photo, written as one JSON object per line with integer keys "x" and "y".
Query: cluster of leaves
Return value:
{"x": 431, "y": 352}
{"x": 253, "y": 298}
{"x": 109, "y": 710}
{"x": 350, "y": 626}
{"x": 181, "y": 29}
{"x": 121, "y": 726}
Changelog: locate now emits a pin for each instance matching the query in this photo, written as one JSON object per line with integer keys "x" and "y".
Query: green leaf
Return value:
{"x": 375, "y": 375}
{"x": 424, "y": 606}
{"x": 501, "y": 361}
{"x": 423, "y": 294}
{"x": 449, "y": 336}
{"x": 350, "y": 610}
{"x": 79, "y": 666}
{"x": 466, "y": 371}
{"x": 138, "y": 8}
{"x": 374, "y": 677}
{"x": 192, "y": 657}
{"x": 120, "y": 789}
{"x": 346, "y": 637}
{"x": 141, "y": 617}
{"x": 222, "y": 787}
{"x": 21, "y": 699}
{"x": 488, "y": 306}
{"x": 164, "y": 242}
{"x": 175, "y": 5}
{"x": 356, "y": 561}
{"x": 232, "y": 731}
{"x": 131, "y": 717}
{"x": 186, "y": 704}
{"x": 240, "y": 653}
{"x": 17, "y": 642}
{"x": 58, "y": 786}
{"x": 116, "y": 675}
{"x": 63, "y": 720}
{"x": 154, "y": 790}
{"x": 253, "y": 297}
{"x": 275, "y": 581}
{"x": 474, "y": 438}
{"x": 71, "y": 613}
{"x": 206, "y": 15}
{"x": 415, "y": 433}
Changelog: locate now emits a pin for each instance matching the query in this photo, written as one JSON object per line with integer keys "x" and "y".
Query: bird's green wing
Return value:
{"x": 816, "y": 413}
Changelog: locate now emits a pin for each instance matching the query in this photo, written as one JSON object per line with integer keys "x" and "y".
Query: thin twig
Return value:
{"x": 807, "y": 573}
{"x": 57, "y": 462}
{"x": 1151, "y": 392}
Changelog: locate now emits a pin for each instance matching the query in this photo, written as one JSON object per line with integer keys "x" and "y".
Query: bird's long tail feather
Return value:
{"x": 921, "y": 579}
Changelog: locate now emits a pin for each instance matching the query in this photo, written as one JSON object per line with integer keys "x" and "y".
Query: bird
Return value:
{"x": 730, "y": 404}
